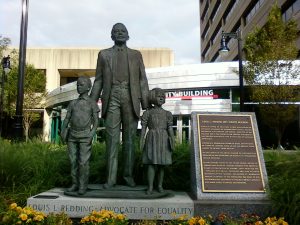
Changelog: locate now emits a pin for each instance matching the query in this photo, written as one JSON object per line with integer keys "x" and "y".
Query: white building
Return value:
{"x": 207, "y": 87}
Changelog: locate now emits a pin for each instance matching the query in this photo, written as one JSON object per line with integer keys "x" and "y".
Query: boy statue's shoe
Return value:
{"x": 74, "y": 187}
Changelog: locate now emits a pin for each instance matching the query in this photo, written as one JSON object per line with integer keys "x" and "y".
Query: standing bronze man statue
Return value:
{"x": 122, "y": 84}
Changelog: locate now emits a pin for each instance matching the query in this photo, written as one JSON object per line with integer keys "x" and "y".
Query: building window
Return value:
{"x": 215, "y": 57}
{"x": 175, "y": 126}
{"x": 292, "y": 10}
{"x": 186, "y": 128}
{"x": 215, "y": 10}
{"x": 232, "y": 7}
{"x": 217, "y": 33}
{"x": 253, "y": 10}
{"x": 204, "y": 15}
{"x": 228, "y": 10}
{"x": 205, "y": 32}
{"x": 100, "y": 132}
{"x": 67, "y": 80}
{"x": 206, "y": 51}
{"x": 55, "y": 126}
{"x": 219, "y": 58}
{"x": 182, "y": 128}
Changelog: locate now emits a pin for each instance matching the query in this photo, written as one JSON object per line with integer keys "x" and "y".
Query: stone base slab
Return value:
{"x": 233, "y": 208}
{"x": 177, "y": 204}
{"x": 55, "y": 201}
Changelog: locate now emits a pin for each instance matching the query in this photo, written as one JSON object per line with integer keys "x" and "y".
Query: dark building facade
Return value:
{"x": 233, "y": 15}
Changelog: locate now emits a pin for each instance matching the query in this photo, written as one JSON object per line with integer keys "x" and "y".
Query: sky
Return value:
{"x": 170, "y": 24}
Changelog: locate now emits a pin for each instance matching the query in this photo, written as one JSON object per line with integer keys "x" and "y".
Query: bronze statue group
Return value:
{"x": 122, "y": 86}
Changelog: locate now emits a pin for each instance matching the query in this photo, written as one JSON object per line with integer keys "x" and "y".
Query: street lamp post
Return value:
{"x": 6, "y": 68}
{"x": 224, "y": 49}
{"x": 18, "y": 126}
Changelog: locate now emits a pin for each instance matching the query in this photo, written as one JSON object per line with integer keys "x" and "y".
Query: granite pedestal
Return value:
{"x": 165, "y": 208}
{"x": 226, "y": 156}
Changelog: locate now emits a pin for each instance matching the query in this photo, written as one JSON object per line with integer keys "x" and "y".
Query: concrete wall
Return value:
{"x": 55, "y": 59}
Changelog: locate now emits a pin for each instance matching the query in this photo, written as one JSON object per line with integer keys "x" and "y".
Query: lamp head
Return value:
{"x": 223, "y": 50}
{"x": 6, "y": 64}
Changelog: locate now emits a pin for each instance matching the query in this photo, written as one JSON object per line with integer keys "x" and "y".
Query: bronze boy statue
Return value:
{"x": 159, "y": 143}
{"x": 78, "y": 130}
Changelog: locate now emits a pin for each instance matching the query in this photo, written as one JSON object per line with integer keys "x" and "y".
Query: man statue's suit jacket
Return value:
{"x": 138, "y": 83}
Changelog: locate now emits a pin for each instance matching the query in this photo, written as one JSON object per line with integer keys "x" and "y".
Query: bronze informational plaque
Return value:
{"x": 229, "y": 154}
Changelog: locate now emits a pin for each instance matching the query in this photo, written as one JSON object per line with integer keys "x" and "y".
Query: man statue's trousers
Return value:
{"x": 120, "y": 111}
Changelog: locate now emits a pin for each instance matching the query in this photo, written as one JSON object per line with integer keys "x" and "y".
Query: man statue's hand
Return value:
{"x": 64, "y": 134}
{"x": 142, "y": 143}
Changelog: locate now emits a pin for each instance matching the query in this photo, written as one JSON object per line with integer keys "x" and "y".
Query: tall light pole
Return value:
{"x": 6, "y": 68}
{"x": 224, "y": 49}
{"x": 18, "y": 126}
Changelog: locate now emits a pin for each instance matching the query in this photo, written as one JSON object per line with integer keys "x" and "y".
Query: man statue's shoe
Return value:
{"x": 81, "y": 191}
{"x": 107, "y": 186}
{"x": 149, "y": 191}
{"x": 130, "y": 182}
{"x": 74, "y": 187}
{"x": 160, "y": 189}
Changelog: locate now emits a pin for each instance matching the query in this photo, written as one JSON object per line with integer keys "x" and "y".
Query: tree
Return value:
{"x": 34, "y": 88}
{"x": 270, "y": 70}
{"x": 4, "y": 43}
{"x": 34, "y": 95}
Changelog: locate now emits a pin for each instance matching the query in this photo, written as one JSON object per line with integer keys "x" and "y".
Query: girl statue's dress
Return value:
{"x": 157, "y": 149}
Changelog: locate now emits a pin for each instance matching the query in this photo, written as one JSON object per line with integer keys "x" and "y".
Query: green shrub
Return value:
{"x": 98, "y": 164}
{"x": 29, "y": 168}
{"x": 177, "y": 175}
{"x": 284, "y": 179}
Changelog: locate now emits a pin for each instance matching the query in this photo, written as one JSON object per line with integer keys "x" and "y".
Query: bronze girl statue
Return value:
{"x": 159, "y": 142}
